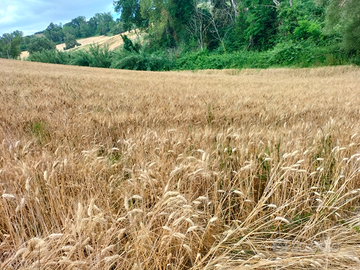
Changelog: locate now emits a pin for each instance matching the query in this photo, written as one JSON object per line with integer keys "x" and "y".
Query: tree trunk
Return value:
{"x": 290, "y": 2}
{"x": 234, "y": 7}
{"x": 276, "y": 2}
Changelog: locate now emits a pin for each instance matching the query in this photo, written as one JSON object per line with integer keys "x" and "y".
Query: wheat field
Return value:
{"x": 111, "y": 169}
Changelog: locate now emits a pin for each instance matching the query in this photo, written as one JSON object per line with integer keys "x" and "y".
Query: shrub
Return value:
{"x": 96, "y": 57}
{"x": 39, "y": 44}
{"x": 51, "y": 56}
{"x": 142, "y": 61}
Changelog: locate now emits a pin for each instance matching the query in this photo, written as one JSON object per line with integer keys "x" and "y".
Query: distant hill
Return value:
{"x": 113, "y": 42}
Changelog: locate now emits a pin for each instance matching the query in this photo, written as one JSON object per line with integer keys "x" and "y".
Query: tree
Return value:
{"x": 196, "y": 26}
{"x": 85, "y": 30}
{"x": 167, "y": 21}
{"x": 256, "y": 24}
{"x": 101, "y": 23}
{"x": 55, "y": 33}
{"x": 302, "y": 20}
{"x": 70, "y": 42}
{"x": 128, "y": 45}
{"x": 10, "y": 45}
{"x": 117, "y": 28}
{"x": 130, "y": 13}
{"x": 38, "y": 44}
{"x": 342, "y": 17}
{"x": 15, "y": 47}
{"x": 74, "y": 27}
{"x": 220, "y": 19}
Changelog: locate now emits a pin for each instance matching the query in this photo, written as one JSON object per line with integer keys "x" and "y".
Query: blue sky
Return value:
{"x": 31, "y": 16}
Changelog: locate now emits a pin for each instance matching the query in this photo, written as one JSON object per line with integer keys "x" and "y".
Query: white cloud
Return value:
{"x": 8, "y": 15}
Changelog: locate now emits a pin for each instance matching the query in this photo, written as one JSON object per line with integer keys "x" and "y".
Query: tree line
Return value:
{"x": 233, "y": 25}
{"x": 270, "y": 32}
{"x": 12, "y": 44}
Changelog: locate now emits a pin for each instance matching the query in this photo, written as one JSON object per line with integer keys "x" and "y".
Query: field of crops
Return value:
{"x": 111, "y": 169}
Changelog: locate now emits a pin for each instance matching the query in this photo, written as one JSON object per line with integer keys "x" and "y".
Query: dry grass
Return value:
{"x": 109, "y": 169}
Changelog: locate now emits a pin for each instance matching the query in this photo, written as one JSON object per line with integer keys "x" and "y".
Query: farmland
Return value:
{"x": 113, "y": 42}
{"x": 113, "y": 169}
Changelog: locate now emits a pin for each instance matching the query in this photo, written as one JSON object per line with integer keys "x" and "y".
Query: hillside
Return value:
{"x": 114, "y": 169}
{"x": 113, "y": 42}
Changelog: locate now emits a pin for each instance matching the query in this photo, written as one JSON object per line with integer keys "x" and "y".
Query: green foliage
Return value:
{"x": 142, "y": 61}
{"x": 15, "y": 47}
{"x": 10, "y": 45}
{"x": 96, "y": 57}
{"x": 206, "y": 60}
{"x": 343, "y": 18}
{"x": 257, "y": 23}
{"x": 304, "y": 17}
{"x": 74, "y": 27}
{"x": 100, "y": 56}
{"x": 50, "y": 56}
{"x": 307, "y": 30}
{"x": 40, "y": 131}
{"x": 38, "y": 44}
{"x": 200, "y": 34}
{"x": 128, "y": 45}
{"x": 130, "y": 13}
{"x": 286, "y": 53}
{"x": 117, "y": 28}
{"x": 55, "y": 33}
{"x": 70, "y": 42}
{"x": 101, "y": 23}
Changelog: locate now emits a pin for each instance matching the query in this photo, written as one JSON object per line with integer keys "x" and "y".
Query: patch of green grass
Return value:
{"x": 40, "y": 131}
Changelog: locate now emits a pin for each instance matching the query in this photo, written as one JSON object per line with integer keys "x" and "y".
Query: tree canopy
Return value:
{"x": 285, "y": 29}
{"x": 10, "y": 45}
{"x": 38, "y": 44}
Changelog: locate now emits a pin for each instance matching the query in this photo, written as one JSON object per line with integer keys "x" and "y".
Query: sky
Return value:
{"x": 30, "y": 16}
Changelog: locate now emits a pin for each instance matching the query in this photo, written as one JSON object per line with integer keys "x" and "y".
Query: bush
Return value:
{"x": 307, "y": 30}
{"x": 39, "y": 44}
{"x": 205, "y": 60}
{"x": 81, "y": 58}
{"x": 142, "y": 61}
{"x": 50, "y": 56}
{"x": 100, "y": 56}
{"x": 70, "y": 42}
{"x": 96, "y": 57}
{"x": 286, "y": 53}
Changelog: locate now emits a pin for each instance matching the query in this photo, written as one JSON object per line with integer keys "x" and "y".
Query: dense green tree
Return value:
{"x": 15, "y": 47}
{"x": 70, "y": 41}
{"x": 164, "y": 20}
{"x": 130, "y": 13}
{"x": 101, "y": 23}
{"x": 24, "y": 42}
{"x": 38, "y": 44}
{"x": 285, "y": 29}
{"x": 302, "y": 20}
{"x": 10, "y": 45}
{"x": 117, "y": 28}
{"x": 128, "y": 45}
{"x": 257, "y": 24}
{"x": 343, "y": 18}
{"x": 85, "y": 30}
{"x": 55, "y": 33}
{"x": 74, "y": 27}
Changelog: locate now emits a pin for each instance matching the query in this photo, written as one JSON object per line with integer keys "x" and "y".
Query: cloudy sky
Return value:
{"x": 31, "y": 16}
